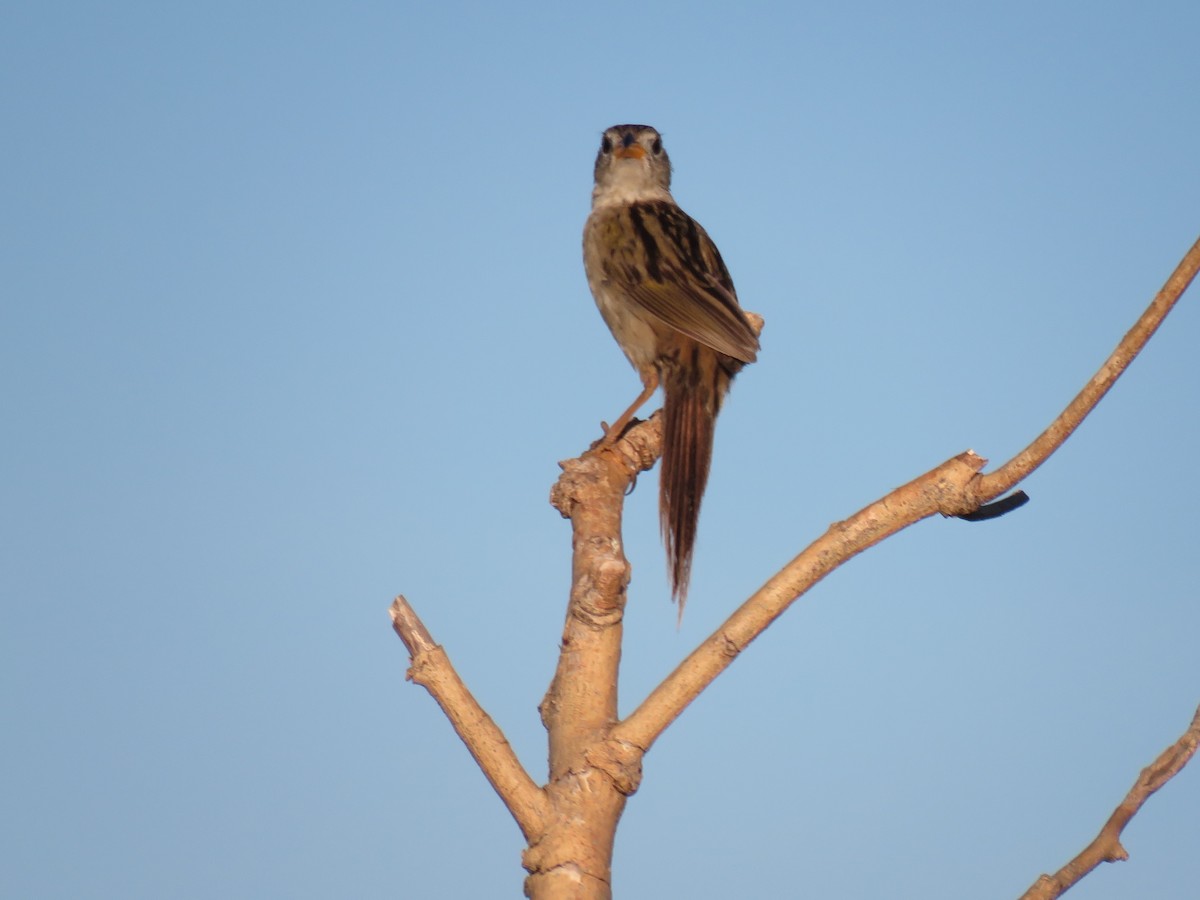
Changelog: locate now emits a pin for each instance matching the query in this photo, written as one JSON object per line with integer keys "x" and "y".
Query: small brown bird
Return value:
{"x": 667, "y": 297}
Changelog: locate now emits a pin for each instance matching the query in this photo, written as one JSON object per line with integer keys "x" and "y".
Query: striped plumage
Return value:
{"x": 667, "y": 297}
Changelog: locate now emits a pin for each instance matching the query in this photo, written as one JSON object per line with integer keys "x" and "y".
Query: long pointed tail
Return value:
{"x": 693, "y": 398}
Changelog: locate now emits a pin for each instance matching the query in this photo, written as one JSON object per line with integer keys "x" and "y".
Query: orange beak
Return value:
{"x": 633, "y": 151}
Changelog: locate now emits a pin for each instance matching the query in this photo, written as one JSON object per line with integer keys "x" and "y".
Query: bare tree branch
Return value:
{"x": 1016, "y": 469}
{"x": 412, "y": 631}
{"x": 953, "y": 489}
{"x": 432, "y": 670}
{"x": 939, "y": 490}
{"x": 1107, "y": 845}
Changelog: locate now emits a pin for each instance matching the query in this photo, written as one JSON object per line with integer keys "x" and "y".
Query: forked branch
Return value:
{"x": 595, "y": 760}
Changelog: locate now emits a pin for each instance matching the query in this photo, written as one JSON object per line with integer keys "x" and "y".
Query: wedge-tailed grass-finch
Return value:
{"x": 667, "y": 297}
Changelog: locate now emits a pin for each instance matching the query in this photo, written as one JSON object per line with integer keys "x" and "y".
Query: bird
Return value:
{"x": 669, "y": 301}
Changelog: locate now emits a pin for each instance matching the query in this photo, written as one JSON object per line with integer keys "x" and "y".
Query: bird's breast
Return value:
{"x": 636, "y": 336}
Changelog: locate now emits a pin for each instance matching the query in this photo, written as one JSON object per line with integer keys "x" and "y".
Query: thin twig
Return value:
{"x": 1107, "y": 845}
{"x": 1016, "y": 469}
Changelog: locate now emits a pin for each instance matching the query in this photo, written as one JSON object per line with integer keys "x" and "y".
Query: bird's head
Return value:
{"x": 632, "y": 164}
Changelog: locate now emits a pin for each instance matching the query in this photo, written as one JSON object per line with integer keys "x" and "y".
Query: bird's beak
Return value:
{"x": 633, "y": 151}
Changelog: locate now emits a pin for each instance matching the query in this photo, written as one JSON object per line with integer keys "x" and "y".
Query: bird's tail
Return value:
{"x": 693, "y": 399}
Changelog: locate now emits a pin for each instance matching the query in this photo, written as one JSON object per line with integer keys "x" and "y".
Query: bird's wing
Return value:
{"x": 666, "y": 263}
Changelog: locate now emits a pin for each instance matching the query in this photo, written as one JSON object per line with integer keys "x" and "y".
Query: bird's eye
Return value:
{"x": 657, "y": 146}
{"x": 606, "y": 145}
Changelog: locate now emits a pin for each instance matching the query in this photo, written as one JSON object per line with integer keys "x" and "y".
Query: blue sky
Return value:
{"x": 294, "y": 319}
